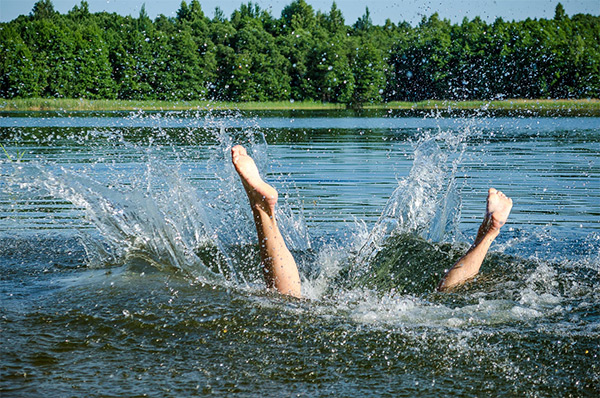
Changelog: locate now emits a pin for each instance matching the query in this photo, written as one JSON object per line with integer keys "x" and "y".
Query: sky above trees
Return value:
{"x": 410, "y": 11}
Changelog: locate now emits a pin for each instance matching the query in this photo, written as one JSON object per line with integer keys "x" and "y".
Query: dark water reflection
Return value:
{"x": 70, "y": 326}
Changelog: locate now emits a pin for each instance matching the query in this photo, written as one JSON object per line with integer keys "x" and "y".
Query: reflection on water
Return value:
{"x": 128, "y": 256}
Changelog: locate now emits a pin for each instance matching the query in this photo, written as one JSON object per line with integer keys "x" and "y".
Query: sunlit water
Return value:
{"x": 129, "y": 266}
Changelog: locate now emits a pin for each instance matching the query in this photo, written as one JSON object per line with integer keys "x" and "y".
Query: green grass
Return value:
{"x": 11, "y": 158}
{"x": 509, "y": 104}
{"x": 60, "y": 104}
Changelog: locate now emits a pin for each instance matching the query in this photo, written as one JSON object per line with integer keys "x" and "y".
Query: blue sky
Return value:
{"x": 397, "y": 10}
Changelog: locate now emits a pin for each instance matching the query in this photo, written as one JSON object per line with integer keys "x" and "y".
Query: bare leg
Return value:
{"x": 497, "y": 211}
{"x": 279, "y": 267}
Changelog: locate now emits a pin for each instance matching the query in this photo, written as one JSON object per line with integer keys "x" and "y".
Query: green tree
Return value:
{"x": 334, "y": 21}
{"x": 298, "y": 16}
{"x": 559, "y": 12}
{"x": 419, "y": 62}
{"x": 258, "y": 68}
{"x": 369, "y": 74}
{"x": 301, "y": 55}
{"x": 91, "y": 66}
{"x": 329, "y": 69}
{"x": 80, "y": 13}
{"x": 364, "y": 23}
{"x": 43, "y": 9}
{"x": 18, "y": 74}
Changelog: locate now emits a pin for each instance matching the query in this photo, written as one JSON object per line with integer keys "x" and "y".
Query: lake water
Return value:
{"x": 129, "y": 267}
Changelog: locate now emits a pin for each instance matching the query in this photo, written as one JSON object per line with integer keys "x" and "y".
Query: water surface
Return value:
{"x": 129, "y": 265}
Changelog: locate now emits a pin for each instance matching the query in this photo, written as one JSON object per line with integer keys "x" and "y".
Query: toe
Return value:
{"x": 238, "y": 149}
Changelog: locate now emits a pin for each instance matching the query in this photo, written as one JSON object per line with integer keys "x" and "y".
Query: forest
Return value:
{"x": 302, "y": 55}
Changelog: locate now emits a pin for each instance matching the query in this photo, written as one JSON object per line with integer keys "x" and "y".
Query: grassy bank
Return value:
{"x": 509, "y": 104}
{"x": 45, "y": 104}
{"x": 60, "y": 104}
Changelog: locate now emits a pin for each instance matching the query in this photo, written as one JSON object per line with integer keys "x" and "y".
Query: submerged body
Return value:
{"x": 279, "y": 266}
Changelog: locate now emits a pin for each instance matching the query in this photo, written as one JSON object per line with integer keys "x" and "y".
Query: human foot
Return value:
{"x": 498, "y": 209}
{"x": 262, "y": 196}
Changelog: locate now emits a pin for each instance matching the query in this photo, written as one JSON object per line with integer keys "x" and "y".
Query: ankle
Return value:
{"x": 491, "y": 234}
{"x": 263, "y": 211}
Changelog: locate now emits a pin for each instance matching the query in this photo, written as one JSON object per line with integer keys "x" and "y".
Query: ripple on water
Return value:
{"x": 155, "y": 194}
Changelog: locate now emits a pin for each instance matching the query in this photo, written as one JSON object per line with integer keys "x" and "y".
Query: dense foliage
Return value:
{"x": 303, "y": 55}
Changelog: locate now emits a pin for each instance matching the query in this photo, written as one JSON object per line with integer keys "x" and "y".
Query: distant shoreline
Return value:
{"x": 578, "y": 106}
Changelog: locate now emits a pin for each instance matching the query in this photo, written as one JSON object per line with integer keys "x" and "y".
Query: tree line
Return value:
{"x": 302, "y": 55}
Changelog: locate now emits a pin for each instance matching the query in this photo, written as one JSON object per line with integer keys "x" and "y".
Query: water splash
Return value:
{"x": 425, "y": 203}
{"x": 164, "y": 227}
{"x": 158, "y": 209}
{"x": 153, "y": 210}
